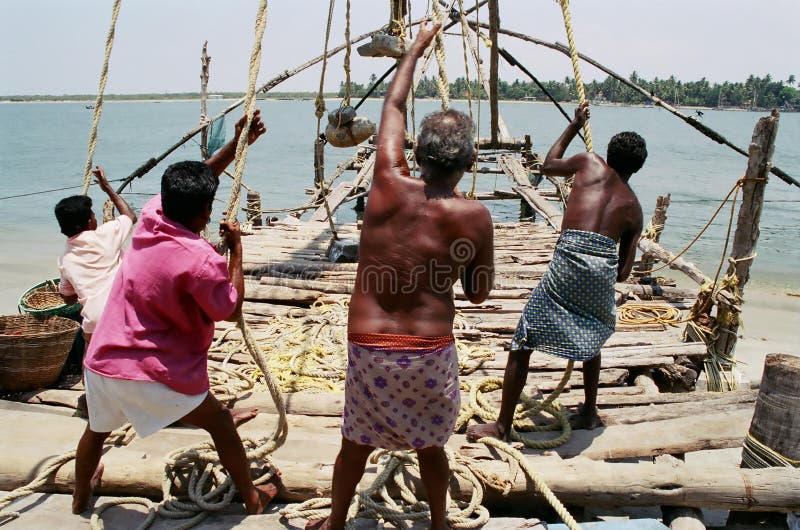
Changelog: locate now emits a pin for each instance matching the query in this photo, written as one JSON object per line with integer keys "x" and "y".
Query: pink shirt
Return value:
{"x": 89, "y": 264}
{"x": 159, "y": 319}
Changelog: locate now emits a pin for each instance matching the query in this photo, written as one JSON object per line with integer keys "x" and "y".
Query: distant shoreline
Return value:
{"x": 159, "y": 98}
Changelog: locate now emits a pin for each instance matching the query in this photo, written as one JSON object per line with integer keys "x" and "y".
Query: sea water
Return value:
{"x": 43, "y": 146}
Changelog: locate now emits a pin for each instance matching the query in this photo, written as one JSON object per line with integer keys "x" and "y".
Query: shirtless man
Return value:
{"x": 571, "y": 313}
{"x": 420, "y": 236}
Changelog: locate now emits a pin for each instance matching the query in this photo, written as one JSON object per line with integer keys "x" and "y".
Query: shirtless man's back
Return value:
{"x": 417, "y": 241}
{"x": 571, "y": 313}
{"x": 419, "y": 237}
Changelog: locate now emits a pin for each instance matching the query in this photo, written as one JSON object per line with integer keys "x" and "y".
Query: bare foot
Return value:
{"x": 586, "y": 418}
{"x": 491, "y": 430}
{"x": 241, "y": 416}
{"x": 318, "y": 524}
{"x": 81, "y": 496}
{"x": 263, "y": 496}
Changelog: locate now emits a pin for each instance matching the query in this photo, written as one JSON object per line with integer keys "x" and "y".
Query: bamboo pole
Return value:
{"x": 704, "y": 129}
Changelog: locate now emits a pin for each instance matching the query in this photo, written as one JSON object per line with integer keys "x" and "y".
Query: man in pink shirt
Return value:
{"x": 147, "y": 362}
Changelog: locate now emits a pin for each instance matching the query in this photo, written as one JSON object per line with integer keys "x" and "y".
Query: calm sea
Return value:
{"x": 43, "y": 146}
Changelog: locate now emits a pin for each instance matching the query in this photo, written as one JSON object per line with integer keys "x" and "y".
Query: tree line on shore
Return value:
{"x": 754, "y": 92}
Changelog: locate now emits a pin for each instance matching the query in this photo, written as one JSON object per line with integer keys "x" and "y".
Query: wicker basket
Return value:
{"x": 33, "y": 351}
{"x": 43, "y": 300}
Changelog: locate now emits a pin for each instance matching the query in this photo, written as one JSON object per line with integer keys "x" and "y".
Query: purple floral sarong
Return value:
{"x": 401, "y": 392}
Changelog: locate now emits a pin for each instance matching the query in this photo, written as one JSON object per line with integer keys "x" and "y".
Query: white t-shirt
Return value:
{"x": 89, "y": 264}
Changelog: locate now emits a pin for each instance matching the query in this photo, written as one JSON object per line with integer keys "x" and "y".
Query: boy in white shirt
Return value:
{"x": 92, "y": 253}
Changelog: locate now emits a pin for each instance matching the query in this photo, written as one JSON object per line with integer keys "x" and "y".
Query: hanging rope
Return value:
{"x": 465, "y": 32}
{"x": 573, "y": 53}
{"x": 98, "y": 105}
{"x": 438, "y": 49}
{"x": 346, "y": 100}
{"x": 210, "y": 488}
{"x": 319, "y": 112}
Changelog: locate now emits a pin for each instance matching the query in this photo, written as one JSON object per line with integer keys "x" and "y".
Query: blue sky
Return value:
{"x": 56, "y": 46}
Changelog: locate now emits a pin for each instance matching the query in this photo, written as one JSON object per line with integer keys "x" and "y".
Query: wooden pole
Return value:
{"x": 254, "y": 208}
{"x": 747, "y": 228}
{"x": 205, "y": 62}
{"x": 494, "y": 25}
{"x": 653, "y": 233}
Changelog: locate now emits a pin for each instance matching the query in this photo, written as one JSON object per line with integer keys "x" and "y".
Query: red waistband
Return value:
{"x": 406, "y": 342}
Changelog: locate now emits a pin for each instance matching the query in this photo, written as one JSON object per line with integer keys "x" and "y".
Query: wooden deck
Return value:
{"x": 287, "y": 271}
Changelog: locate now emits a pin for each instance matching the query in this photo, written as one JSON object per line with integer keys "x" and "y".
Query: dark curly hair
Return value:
{"x": 445, "y": 141}
{"x": 187, "y": 188}
{"x": 73, "y": 214}
{"x": 627, "y": 152}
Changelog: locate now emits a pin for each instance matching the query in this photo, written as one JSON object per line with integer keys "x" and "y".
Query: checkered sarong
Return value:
{"x": 571, "y": 313}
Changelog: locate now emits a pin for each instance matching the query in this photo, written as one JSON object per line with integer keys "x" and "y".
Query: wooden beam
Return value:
{"x": 341, "y": 192}
{"x": 306, "y": 466}
{"x": 519, "y": 175}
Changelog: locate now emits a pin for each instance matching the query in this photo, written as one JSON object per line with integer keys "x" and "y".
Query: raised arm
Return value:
{"x": 122, "y": 207}
{"x": 226, "y": 154}
{"x": 554, "y": 163}
{"x": 390, "y": 156}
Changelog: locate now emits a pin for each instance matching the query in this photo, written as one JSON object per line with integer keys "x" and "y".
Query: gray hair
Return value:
{"x": 446, "y": 140}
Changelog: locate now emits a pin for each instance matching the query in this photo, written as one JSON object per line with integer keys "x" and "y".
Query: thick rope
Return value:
{"x": 573, "y": 54}
{"x": 541, "y": 487}
{"x": 374, "y": 501}
{"x": 250, "y": 106}
{"x": 98, "y": 105}
{"x": 438, "y": 49}
{"x": 346, "y": 66}
{"x": 319, "y": 112}
{"x": 465, "y": 33}
{"x": 639, "y": 314}
{"x": 756, "y": 455}
{"x": 479, "y": 406}
{"x": 121, "y": 436}
{"x": 210, "y": 488}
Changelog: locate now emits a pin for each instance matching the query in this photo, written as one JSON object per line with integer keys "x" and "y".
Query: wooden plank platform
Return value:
{"x": 287, "y": 272}
{"x": 42, "y": 510}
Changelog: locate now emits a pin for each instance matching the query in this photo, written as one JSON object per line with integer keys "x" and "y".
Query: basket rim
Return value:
{"x": 66, "y": 325}
{"x": 30, "y": 310}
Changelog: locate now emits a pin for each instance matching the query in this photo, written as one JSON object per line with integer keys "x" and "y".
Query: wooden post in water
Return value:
{"x": 205, "y": 62}
{"x": 653, "y": 233}
{"x": 494, "y": 25}
{"x": 747, "y": 229}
